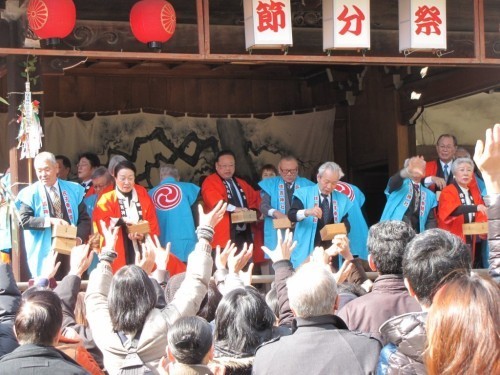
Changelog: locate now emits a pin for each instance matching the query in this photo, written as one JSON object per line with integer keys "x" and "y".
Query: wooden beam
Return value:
{"x": 245, "y": 58}
{"x": 453, "y": 84}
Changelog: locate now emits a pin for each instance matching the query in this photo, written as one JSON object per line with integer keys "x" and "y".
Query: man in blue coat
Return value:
{"x": 313, "y": 207}
{"x": 408, "y": 199}
{"x": 277, "y": 193}
{"x": 48, "y": 202}
{"x": 174, "y": 202}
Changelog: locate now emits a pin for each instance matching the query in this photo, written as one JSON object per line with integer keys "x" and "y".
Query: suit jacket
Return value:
{"x": 42, "y": 360}
{"x": 433, "y": 168}
{"x": 319, "y": 345}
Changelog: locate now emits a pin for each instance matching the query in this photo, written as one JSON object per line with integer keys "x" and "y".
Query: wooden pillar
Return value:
{"x": 18, "y": 168}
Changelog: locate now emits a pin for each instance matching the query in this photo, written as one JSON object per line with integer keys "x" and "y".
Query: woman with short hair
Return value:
{"x": 461, "y": 201}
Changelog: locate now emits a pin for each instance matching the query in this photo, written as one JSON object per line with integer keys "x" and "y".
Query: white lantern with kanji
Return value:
{"x": 422, "y": 25}
{"x": 268, "y": 24}
{"x": 346, "y": 24}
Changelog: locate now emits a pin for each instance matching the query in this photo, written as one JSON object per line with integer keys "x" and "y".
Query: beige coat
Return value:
{"x": 153, "y": 340}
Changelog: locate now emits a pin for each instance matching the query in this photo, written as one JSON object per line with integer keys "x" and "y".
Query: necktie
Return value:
{"x": 325, "y": 208}
{"x": 445, "y": 172}
{"x": 289, "y": 191}
{"x": 236, "y": 199}
{"x": 56, "y": 201}
{"x": 416, "y": 203}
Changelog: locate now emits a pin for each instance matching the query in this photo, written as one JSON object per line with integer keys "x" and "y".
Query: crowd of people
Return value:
{"x": 170, "y": 271}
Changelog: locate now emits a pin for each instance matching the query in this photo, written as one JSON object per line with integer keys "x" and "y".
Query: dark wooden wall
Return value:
{"x": 192, "y": 95}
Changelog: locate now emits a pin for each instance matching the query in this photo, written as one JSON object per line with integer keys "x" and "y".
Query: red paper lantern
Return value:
{"x": 51, "y": 19}
{"x": 153, "y": 22}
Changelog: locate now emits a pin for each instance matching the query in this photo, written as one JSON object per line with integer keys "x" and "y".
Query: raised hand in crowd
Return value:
{"x": 246, "y": 276}
{"x": 212, "y": 218}
{"x": 162, "y": 255}
{"x": 222, "y": 256}
{"x": 53, "y": 265}
{"x": 236, "y": 262}
{"x": 340, "y": 246}
{"x": 145, "y": 258}
{"x": 487, "y": 159}
{"x": 80, "y": 259}
{"x": 110, "y": 235}
{"x": 284, "y": 247}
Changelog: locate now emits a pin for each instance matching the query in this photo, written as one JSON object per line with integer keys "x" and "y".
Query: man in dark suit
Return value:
{"x": 48, "y": 202}
{"x": 438, "y": 172}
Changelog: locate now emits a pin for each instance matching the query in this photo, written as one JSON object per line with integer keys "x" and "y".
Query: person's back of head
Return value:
{"x": 463, "y": 326}
{"x": 131, "y": 298}
{"x": 39, "y": 318}
{"x": 190, "y": 341}
{"x": 169, "y": 170}
{"x": 386, "y": 244}
{"x": 243, "y": 321}
{"x": 429, "y": 257}
{"x": 312, "y": 291}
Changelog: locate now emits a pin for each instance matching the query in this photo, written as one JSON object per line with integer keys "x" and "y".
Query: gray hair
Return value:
{"x": 115, "y": 159}
{"x": 463, "y": 150}
{"x": 46, "y": 156}
{"x": 459, "y": 161}
{"x": 169, "y": 170}
{"x": 333, "y": 167}
{"x": 102, "y": 171}
{"x": 312, "y": 291}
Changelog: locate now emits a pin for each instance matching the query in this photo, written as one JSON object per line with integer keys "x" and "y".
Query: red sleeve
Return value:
{"x": 212, "y": 191}
{"x": 431, "y": 168}
{"x": 448, "y": 202}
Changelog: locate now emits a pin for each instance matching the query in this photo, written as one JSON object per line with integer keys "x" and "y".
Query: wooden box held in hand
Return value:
{"x": 282, "y": 223}
{"x": 63, "y": 245}
{"x": 249, "y": 216}
{"x": 142, "y": 227}
{"x": 331, "y": 230}
{"x": 64, "y": 231}
{"x": 475, "y": 228}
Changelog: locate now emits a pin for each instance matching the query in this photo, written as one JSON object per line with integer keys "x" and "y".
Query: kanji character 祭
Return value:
{"x": 428, "y": 20}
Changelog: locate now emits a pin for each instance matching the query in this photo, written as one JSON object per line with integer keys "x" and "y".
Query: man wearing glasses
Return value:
{"x": 438, "y": 172}
{"x": 277, "y": 193}
{"x": 239, "y": 195}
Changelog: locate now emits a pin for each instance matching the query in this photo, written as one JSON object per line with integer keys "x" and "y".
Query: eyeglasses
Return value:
{"x": 289, "y": 171}
{"x": 446, "y": 147}
{"x": 82, "y": 165}
{"x": 224, "y": 166}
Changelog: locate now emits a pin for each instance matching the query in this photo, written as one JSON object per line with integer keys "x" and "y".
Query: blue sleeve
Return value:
{"x": 383, "y": 361}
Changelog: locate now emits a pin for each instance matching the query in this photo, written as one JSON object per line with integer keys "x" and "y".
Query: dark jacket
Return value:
{"x": 40, "y": 360}
{"x": 10, "y": 298}
{"x": 493, "y": 203}
{"x": 319, "y": 345}
{"x": 67, "y": 290}
{"x": 406, "y": 335}
{"x": 388, "y": 298}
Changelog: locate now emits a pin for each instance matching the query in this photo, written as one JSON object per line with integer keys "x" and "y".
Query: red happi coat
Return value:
{"x": 108, "y": 207}
{"x": 212, "y": 191}
{"x": 449, "y": 200}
